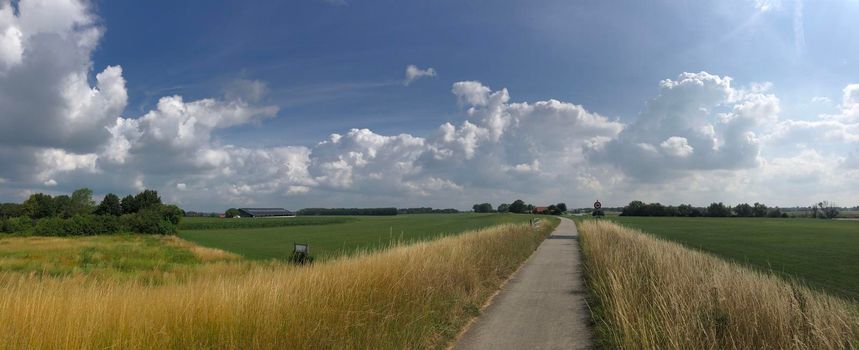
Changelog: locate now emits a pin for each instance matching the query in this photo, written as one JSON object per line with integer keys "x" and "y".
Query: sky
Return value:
{"x": 350, "y": 103}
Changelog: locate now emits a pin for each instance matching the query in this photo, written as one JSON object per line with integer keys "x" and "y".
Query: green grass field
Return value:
{"x": 822, "y": 253}
{"x": 334, "y": 239}
{"x": 127, "y": 256}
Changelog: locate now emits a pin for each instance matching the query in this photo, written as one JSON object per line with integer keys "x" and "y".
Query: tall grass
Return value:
{"x": 653, "y": 294}
{"x": 415, "y": 296}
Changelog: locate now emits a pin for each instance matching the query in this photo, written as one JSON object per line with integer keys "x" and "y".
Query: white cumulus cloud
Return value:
{"x": 414, "y": 73}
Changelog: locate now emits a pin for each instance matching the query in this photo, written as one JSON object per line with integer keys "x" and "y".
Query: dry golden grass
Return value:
{"x": 415, "y": 296}
{"x": 653, "y": 294}
{"x": 205, "y": 254}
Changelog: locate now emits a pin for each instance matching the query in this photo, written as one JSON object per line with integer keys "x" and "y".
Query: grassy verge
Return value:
{"x": 821, "y": 253}
{"x": 415, "y": 296}
{"x": 653, "y": 294}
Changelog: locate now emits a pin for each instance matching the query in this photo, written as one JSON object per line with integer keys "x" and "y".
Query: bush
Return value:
{"x": 78, "y": 225}
{"x": 150, "y": 221}
{"x": 171, "y": 213}
{"x": 16, "y": 225}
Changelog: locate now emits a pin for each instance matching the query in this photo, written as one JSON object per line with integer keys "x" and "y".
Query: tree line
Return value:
{"x": 426, "y": 210}
{"x": 78, "y": 215}
{"x": 518, "y": 206}
{"x": 348, "y": 211}
{"x": 718, "y": 209}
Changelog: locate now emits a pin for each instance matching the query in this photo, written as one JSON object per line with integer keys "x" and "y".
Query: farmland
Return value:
{"x": 409, "y": 296}
{"x": 333, "y": 236}
{"x": 822, "y": 253}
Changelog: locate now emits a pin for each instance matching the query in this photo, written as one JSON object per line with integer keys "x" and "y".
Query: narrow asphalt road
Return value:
{"x": 543, "y": 304}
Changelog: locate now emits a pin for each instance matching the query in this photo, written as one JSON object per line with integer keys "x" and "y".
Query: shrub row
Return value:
{"x": 161, "y": 220}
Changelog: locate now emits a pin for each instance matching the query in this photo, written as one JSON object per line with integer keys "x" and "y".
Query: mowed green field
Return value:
{"x": 822, "y": 253}
{"x": 334, "y": 238}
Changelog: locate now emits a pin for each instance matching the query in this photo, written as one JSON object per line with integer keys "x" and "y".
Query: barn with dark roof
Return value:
{"x": 264, "y": 212}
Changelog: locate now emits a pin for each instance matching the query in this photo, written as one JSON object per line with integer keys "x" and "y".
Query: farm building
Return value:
{"x": 540, "y": 210}
{"x": 263, "y": 212}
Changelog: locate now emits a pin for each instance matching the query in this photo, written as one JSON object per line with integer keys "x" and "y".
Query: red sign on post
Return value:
{"x": 597, "y": 205}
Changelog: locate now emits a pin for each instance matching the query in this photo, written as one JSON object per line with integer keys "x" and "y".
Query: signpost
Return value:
{"x": 598, "y": 209}
{"x": 301, "y": 253}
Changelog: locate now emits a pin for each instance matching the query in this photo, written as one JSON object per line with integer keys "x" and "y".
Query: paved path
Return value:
{"x": 543, "y": 304}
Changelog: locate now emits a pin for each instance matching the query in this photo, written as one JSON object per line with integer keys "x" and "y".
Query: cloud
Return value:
{"x": 767, "y": 5}
{"x": 821, "y": 99}
{"x": 697, "y": 122}
{"x": 414, "y": 73}
{"x": 700, "y": 138}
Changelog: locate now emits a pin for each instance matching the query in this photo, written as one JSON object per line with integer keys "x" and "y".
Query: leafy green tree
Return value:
{"x": 744, "y": 210}
{"x": 81, "y": 202}
{"x": 718, "y": 210}
{"x": 231, "y": 213}
{"x": 129, "y": 205}
{"x": 503, "y": 208}
{"x": 759, "y": 210}
{"x": 482, "y": 208}
{"x": 171, "y": 213}
{"x": 686, "y": 210}
{"x": 63, "y": 206}
{"x": 39, "y": 205}
{"x": 147, "y": 199}
{"x": 110, "y": 205}
{"x": 518, "y": 206}
{"x": 11, "y": 210}
{"x": 562, "y": 207}
{"x": 634, "y": 208}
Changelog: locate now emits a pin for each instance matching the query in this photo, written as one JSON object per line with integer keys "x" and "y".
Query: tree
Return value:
{"x": 110, "y": 205}
{"x": 518, "y": 206}
{"x": 147, "y": 199}
{"x": 482, "y": 208}
{"x": 503, "y": 208}
{"x": 635, "y": 208}
{"x": 62, "y": 206}
{"x": 718, "y": 210}
{"x": 744, "y": 210}
{"x": 231, "y": 213}
{"x": 826, "y": 210}
{"x": 129, "y": 205}
{"x": 81, "y": 202}
{"x": 685, "y": 210}
{"x": 759, "y": 210}
{"x": 11, "y": 210}
{"x": 562, "y": 207}
{"x": 39, "y": 206}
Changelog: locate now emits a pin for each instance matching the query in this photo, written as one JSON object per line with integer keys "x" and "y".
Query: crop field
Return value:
{"x": 334, "y": 236}
{"x": 822, "y": 253}
{"x": 203, "y": 223}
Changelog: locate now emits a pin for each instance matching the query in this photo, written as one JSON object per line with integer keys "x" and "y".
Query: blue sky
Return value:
{"x": 292, "y": 73}
{"x": 333, "y": 66}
